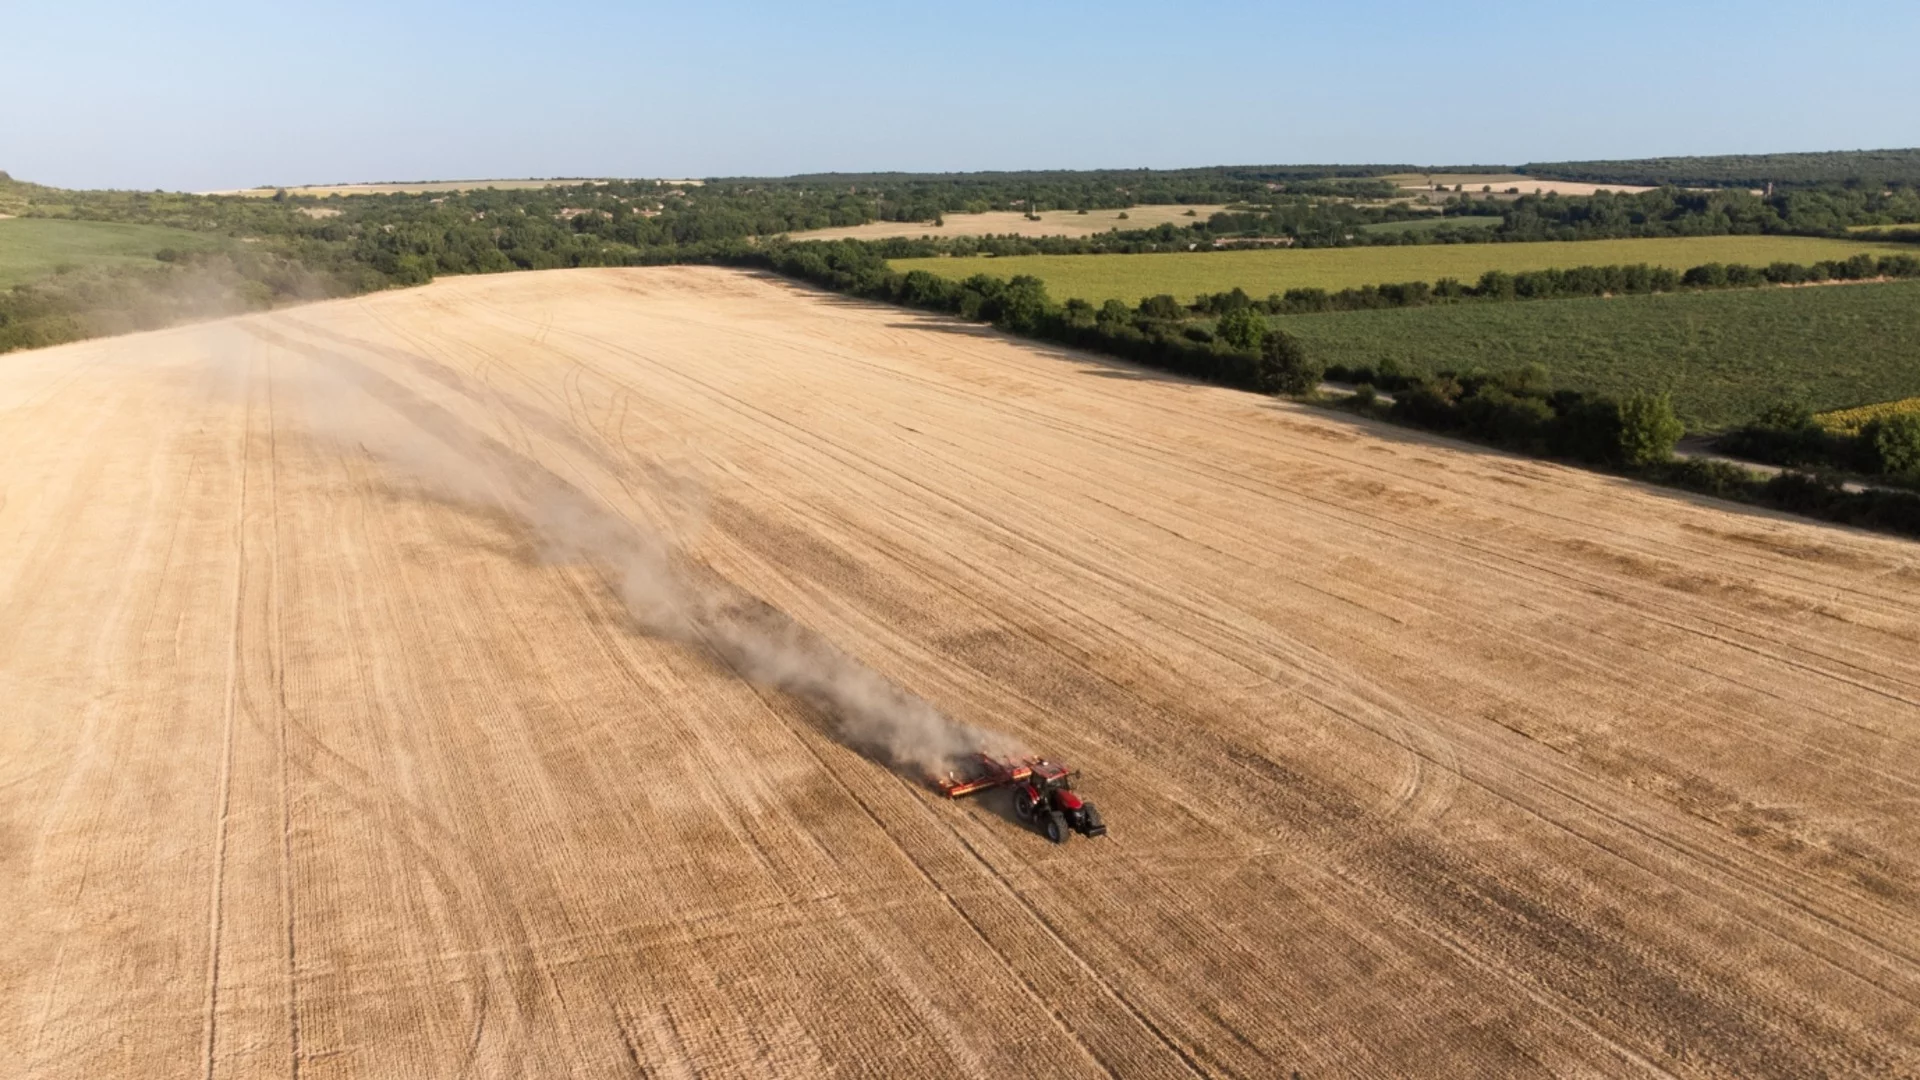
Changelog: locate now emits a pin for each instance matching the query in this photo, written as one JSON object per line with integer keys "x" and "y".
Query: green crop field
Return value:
{"x": 32, "y": 248}
{"x": 1429, "y": 224}
{"x": 1724, "y": 355}
{"x": 1270, "y": 270}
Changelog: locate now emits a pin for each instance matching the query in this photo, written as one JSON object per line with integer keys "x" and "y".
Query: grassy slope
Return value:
{"x": 1725, "y": 355}
{"x": 1263, "y": 271}
{"x": 33, "y": 248}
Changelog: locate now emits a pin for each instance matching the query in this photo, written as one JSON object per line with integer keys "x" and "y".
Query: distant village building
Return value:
{"x": 1253, "y": 241}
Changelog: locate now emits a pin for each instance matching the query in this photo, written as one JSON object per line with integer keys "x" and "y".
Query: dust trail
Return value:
{"x": 666, "y": 593}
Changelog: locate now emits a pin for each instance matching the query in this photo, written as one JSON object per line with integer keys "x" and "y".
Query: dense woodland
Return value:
{"x": 1844, "y": 168}
{"x": 924, "y": 196}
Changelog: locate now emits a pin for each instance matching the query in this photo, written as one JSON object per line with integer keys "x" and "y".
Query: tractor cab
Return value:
{"x": 1051, "y": 776}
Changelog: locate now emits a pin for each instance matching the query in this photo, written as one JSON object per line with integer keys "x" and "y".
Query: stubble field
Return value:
{"x": 407, "y": 686}
{"x": 1016, "y": 223}
{"x": 1501, "y": 183}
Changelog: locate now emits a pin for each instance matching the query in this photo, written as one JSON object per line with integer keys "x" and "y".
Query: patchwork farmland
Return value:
{"x": 1186, "y": 274}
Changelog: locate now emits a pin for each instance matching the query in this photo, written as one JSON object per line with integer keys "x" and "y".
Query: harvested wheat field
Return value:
{"x": 1502, "y": 182}
{"x": 1016, "y": 223}
{"x": 497, "y": 679}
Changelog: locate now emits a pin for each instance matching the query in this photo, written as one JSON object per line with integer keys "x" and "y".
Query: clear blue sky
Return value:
{"x": 143, "y": 95}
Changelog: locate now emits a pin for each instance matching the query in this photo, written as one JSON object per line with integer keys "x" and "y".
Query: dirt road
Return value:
{"x": 326, "y": 754}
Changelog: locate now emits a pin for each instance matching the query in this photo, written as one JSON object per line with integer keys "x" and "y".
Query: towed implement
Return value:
{"x": 1043, "y": 794}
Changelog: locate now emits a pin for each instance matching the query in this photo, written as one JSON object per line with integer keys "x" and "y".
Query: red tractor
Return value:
{"x": 1043, "y": 793}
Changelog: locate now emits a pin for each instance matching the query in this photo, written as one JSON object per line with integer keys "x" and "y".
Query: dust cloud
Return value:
{"x": 666, "y": 593}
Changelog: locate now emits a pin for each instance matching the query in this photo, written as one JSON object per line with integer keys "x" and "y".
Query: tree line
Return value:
{"x": 1638, "y": 279}
{"x": 1855, "y": 168}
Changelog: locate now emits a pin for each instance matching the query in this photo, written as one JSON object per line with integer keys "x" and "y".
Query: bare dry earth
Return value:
{"x": 1419, "y": 760}
{"x": 1500, "y": 182}
{"x": 1014, "y": 222}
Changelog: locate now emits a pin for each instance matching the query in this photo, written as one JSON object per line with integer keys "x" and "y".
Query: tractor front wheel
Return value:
{"x": 1057, "y": 830}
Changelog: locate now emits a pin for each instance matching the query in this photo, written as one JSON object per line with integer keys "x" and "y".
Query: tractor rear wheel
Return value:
{"x": 1057, "y": 830}
{"x": 1090, "y": 822}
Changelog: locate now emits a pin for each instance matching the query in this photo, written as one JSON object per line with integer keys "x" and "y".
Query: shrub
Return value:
{"x": 1429, "y": 403}
{"x": 1284, "y": 367}
{"x": 1785, "y": 433}
{"x": 1588, "y": 429}
{"x": 1893, "y": 444}
{"x": 1709, "y": 477}
{"x": 1706, "y": 276}
{"x": 1388, "y": 374}
{"x": 1502, "y": 417}
{"x": 1496, "y": 285}
{"x": 1242, "y": 328}
{"x": 1801, "y": 492}
{"x": 1019, "y": 306}
{"x": 1786, "y": 416}
{"x": 923, "y": 290}
{"x": 1648, "y": 429}
{"x": 1163, "y": 306}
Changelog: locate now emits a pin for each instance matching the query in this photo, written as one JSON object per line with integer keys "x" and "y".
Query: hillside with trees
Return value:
{"x": 1850, "y": 168}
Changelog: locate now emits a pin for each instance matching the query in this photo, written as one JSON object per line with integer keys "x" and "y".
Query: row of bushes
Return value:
{"x": 1579, "y": 281}
{"x": 1787, "y": 435}
{"x": 1261, "y": 360}
{"x": 1801, "y": 493}
{"x": 1518, "y": 410}
{"x": 1636, "y": 435}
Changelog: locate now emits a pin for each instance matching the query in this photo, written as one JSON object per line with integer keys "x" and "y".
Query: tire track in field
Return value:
{"x": 701, "y": 383}
{"x": 704, "y": 385}
{"x": 1395, "y": 782}
{"x": 1086, "y": 430}
{"x": 948, "y": 898}
{"x": 224, "y": 781}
